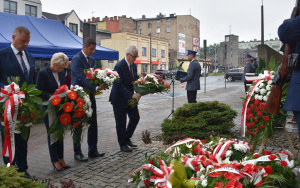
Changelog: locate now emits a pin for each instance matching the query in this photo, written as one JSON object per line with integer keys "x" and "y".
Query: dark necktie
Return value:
{"x": 23, "y": 65}
{"x": 89, "y": 61}
{"x": 131, "y": 71}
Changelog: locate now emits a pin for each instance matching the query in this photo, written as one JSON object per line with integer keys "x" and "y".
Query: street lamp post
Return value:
{"x": 150, "y": 53}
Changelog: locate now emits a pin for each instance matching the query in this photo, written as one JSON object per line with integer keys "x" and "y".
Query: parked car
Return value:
{"x": 161, "y": 73}
{"x": 234, "y": 74}
{"x": 171, "y": 73}
{"x": 202, "y": 72}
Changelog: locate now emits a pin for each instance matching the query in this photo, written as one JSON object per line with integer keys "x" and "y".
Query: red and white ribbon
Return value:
{"x": 12, "y": 96}
{"x": 184, "y": 141}
{"x": 220, "y": 150}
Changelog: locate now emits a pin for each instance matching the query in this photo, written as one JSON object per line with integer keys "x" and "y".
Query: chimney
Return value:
{"x": 115, "y": 18}
{"x": 123, "y": 16}
{"x": 93, "y": 19}
{"x": 98, "y": 19}
{"x": 111, "y": 18}
{"x": 172, "y": 15}
{"x": 89, "y": 20}
{"x": 84, "y": 20}
{"x": 143, "y": 16}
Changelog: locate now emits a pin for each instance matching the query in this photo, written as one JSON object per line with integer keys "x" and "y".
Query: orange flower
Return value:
{"x": 68, "y": 107}
{"x": 72, "y": 95}
{"x": 80, "y": 102}
{"x": 55, "y": 100}
{"x": 62, "y": 87}
{"x": 65, "y": 119}
{"x": 79, "y": 113}
{"x": 75, "y": 125}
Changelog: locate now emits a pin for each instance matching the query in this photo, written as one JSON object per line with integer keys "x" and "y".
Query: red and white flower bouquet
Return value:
{"x": 68, "y": 110}
{"x": 19, "y": 109}
{"x": 99, "y": 76}
{"x": 150, "y": 83}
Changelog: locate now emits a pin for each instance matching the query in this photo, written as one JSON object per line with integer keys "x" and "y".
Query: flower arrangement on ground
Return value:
{"x": 150, "y": 83}
{"x": 69, "y": 110}
{"x": 218, "y": 163}
{"x": 19, "y": 109}
{"x": 98, "y": 76}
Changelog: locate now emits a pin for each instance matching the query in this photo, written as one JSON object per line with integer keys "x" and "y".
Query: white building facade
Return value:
{"x": 22, "y": 7}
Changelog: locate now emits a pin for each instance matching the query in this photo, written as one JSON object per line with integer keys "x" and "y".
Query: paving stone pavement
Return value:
{"x": 114, "y": 168}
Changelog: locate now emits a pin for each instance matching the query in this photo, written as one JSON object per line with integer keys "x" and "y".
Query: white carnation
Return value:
{"x": 265, "y": 98}
{"x": 261, "y": 85}
{"x": 268, "y": 87}
{"x": 256, "y": 90}
{"x": 260, "y": 97}
{"x": 228, "y": 153}
{"x": 270, "y": 82}
{"x": 263, "y": 91}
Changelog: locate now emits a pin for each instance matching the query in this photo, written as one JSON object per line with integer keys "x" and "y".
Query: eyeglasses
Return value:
{"x": 133, "y": 56}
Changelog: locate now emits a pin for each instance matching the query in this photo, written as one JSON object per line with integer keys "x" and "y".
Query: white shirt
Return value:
{"x": 19, "y": 58}
{"x": 86, "y": 57}
{"x": 55, "y": 74}
{"x": 128, "y": 64}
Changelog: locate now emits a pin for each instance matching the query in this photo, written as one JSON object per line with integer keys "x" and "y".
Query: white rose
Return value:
{"x": 265, "y": 98}
{"x": 256, "y": 90}
{"x": 261, "y": 85}
{"x": 268, "y": 93}
{"x": 270, "y": 82}
{"x": 204, "y": 183}
{"x": 256, "y": 97}
{"x": 268, "y": 87}
{"x": 263, "y": 91}
{"x": 228, "y": 153}
{"x": 260, "y": 97}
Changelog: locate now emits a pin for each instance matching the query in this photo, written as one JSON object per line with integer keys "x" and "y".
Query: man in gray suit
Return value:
{"x": 192, "y": 78}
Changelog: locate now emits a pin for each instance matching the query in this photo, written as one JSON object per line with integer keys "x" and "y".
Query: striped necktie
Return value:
{"x": 23, "y": 65}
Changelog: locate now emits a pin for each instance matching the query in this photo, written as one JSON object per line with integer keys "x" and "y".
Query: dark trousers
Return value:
{"x": 56, "y": 150}
{"x": 124, "y": 133}
{"x": 245, "y": 84}
{"x": 297, "y": 117}
{"x": 191, "y": 96}
{"x": 92, "y": 135}
{"x": 20, "y": 160}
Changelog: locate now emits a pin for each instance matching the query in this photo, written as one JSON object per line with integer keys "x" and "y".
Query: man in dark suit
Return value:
{"x": 249, "y": 68}
{"x": 81, "y": 61}
{"x": 192, "y": 78}
{"x": 289, "y": 32}
{"x": 16, "y": 61}
{"x": 121, "y": 92}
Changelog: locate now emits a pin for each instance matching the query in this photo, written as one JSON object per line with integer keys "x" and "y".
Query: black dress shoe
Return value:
{"x": 27, "y": 175}
{"x": 125, "y": 149}
{"x": 96, "y": 154}
{"x": 81, "y": 158}
{"x": 129, "y": 143}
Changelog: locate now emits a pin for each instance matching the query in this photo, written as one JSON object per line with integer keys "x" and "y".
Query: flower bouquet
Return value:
{"x": 68, "y": 110}
{"x": 150, "y": 83}
{"x": 99, "y": 76}
{"x": 19, "y": 109}
{"x": 218, "y": 163}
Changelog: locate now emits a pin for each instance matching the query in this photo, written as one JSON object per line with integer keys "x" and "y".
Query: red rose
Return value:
{"x": 259, "y": 113}
{"x": 75, "y": 125}
{"x": 283, "y": 163}
{"x": 262, "y": 126}
{"x": 262, "y": 105}
{"x": 252, "y": 124}
{"x": 251, "y": 105}
{"x": 256, "y": 130}
{"x": 256, "y": 102}
{"x": 256, "y": 109}
{"x": 272, "y": 157}
{"x": 203, "y": 141}
{"x": 266, "y": 118}
{"x": 252, "y": 99}
{"x": 32, "y": 117}
{"x": 72, "y": 95}
{"x": 80, "y": 102}
{"x": 248, "y": 125}
{"x": 248, "y": 111}
{"x": 68, "y": 107}
{"x": 147, "y": 183}
{"x": 65, "y": 119}
{"x": 251, "y": 115}
{"x": 256, "y": 119}
{"x": 55, "y": 100}
{"x": 267, "y": 153}
{"x": 268, "y": 169}
{"x": 255, "y": 156}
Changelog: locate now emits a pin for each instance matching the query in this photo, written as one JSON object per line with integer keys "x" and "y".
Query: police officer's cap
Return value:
{"x": 191, "y": 52}
{"x": 248, "y": 56}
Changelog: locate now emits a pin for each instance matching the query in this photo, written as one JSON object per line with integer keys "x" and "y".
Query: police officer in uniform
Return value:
{"x": 249, "y": 68}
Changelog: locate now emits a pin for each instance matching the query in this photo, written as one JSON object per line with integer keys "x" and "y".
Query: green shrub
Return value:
{"x": 10, "y": 177}
{"x": 198, "y": 120}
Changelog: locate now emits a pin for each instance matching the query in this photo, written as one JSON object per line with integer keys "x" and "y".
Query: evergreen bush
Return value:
{"x": 198, "y": 120}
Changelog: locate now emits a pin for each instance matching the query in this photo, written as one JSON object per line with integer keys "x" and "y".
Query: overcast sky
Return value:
{"x": 217, "y": 17}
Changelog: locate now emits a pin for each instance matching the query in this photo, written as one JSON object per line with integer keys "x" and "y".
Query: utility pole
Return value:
{"x": 150, "y": 53}
{"x": 262, "y": 22}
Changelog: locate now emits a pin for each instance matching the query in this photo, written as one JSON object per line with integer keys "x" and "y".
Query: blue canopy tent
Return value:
{"x": 47, "y": 37}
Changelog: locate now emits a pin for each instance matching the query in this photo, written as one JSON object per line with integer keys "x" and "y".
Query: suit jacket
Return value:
{"x": 122, "y": 90}
{"x": 47, "y": 83}
{"x": 9, "y": 66}
{"x": 289, "y": 32}
{"x": 78, "y": 65}
{"x": 193, "y": 76}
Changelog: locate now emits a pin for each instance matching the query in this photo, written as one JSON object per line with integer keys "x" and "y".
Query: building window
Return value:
{"x": 140, "y": 31}
{"x": 158, "y": 30}
{"x": 149, "y": 25}
{"x": 153, "y": 52}
{"x": 169, "y": 19}
{"x": 31, "y": 10}
{"x": 134, "y": 31}
{"x": 10, "y": 7}
{"x": 169, "y": 42}
{"x": 74, "y": 28}
{"x": 168, "y": 29}
{"x": 163, "y": 53}
{"x": 157, "y": 21}
{"x": 144, "y": 51}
